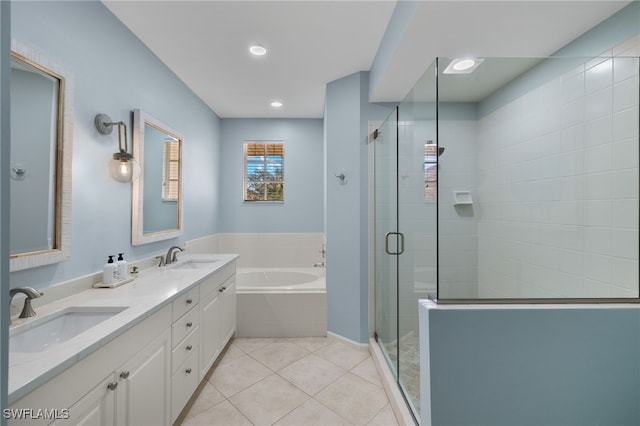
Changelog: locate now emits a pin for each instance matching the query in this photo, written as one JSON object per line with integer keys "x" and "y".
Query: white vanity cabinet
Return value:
{"x": 126, "y": 382}
{"x": 147, "y": 374}
{"x": 217, "y": 316}
{"x": 185, "y": 338}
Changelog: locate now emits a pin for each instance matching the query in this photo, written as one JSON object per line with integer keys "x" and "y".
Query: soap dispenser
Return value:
{"x": 123, "y": 272}
{"x": 110, "y": 272}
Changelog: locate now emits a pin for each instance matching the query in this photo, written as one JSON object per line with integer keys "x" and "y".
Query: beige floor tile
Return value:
{"x": 232, "y": 352}
{"x": 367, "y": 370}
{"x": 250, "y": 344}
{"x": 311, "y": 344}
{"x": 278, "y": 355}
{"x": 312, "y": 413}
{"x": 342, "y": 354}
{"x": 353, "y": 398}
{"x": 208, "y": 397}
{"x": 311, "y": 373}
{"x": 268, "y": 400}
{"x": 223, "y": 414}
{"x": 238, "y": 374}
{"x": 384, "y": 418}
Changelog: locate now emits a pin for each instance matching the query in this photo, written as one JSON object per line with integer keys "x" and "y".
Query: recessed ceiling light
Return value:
{"x": 276, "y": 104}
{"x": 257, "y": 50}
{"x": 463, "y": 65}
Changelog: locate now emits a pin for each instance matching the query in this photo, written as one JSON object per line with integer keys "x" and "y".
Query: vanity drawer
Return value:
{"x": 183, "y": 383}
{"x": 185, "y": 325}
{"x": 185, "y": 348}
{"x": 210, "y": 284}
{"x": 185, "y": 302}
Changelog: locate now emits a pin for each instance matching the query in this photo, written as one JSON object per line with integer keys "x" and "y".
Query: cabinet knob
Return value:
{"x": 189, "y": 347}
{"x": 189, "y": 324}
{"x": 124, "y": 374}
{"x": 221, "y": 289}
{"x": 112, "y": 386}
{"x": 188, "y": 371}
{"x": 189, "y": 301}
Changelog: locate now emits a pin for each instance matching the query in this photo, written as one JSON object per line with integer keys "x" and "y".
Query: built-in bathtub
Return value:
{"x": 281, "y": 302}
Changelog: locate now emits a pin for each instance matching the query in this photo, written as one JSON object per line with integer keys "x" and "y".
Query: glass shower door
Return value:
{"x": 386, "y": 226}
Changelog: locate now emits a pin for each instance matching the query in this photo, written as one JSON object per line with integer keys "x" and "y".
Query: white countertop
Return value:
{"x": 152, "y": 289}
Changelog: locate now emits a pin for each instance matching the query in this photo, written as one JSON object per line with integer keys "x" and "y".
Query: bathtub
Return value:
{"x": 281, "y": 302}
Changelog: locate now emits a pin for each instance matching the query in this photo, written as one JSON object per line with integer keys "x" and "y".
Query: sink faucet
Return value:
{"x": 171, "y": 254}
{"x": 31, "y": 293}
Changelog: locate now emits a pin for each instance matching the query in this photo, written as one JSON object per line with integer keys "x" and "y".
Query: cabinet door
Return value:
{"x": 96, "y": 408}
{"x": 228, "y": 310}
{"x": 210, "y": 331}
{"x": 144, "y": 390}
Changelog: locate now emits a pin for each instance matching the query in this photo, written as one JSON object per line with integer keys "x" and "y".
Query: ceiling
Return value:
{"x": 311, "y": 43}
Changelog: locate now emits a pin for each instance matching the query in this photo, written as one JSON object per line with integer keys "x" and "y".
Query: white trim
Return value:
{"x": 352, "y": 343}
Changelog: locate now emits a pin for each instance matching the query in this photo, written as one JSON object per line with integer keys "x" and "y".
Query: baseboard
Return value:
{"x": 352, "y": 343}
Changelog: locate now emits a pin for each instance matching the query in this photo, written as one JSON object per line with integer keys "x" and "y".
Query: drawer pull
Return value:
{"x": 189, "y": 347}
{"x": 189, "y": 301}
{"x": 221, "y": 290}
{"x": 112, "y": 386}
{"x": 189, "y": 324}
{"x": 124, "y": 374}
{"x": 188, "y": 371}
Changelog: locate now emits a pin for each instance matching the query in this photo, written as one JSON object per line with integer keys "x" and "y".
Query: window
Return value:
{"x": 264, "y": 171}
{"x": 170, "y": 170}
{"x": 430, "y": 171}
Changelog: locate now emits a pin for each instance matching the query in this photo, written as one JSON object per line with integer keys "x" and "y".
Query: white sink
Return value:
{"x": 193, "y": 264}
{"x": 58, "y": 327}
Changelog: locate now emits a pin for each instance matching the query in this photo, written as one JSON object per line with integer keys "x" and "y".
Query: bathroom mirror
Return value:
{"x": 41, "y": 152}
{"x": 157, "y": 193}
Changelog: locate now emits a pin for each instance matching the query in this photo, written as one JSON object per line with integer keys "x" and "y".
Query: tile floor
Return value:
{"x": 295, "y": 381}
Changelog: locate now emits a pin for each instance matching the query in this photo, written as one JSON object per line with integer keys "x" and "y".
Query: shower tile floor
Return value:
{"x": 409, "y": 366}
{"x": 294, "y": 381}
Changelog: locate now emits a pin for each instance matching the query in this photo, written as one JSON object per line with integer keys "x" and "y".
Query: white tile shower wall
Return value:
{"x": 458, "y": 228}
{"x": 273, "y": 249}
{"x": 558, "y": 186}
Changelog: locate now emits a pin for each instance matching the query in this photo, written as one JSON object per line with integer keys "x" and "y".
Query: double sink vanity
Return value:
{"x": 134, "y": 354}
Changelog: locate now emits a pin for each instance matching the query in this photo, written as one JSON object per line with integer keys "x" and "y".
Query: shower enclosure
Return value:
{"x": 512, "y": 181}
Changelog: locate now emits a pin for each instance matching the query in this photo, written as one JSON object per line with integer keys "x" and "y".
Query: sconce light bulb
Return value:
{"x": 124, "y": 170}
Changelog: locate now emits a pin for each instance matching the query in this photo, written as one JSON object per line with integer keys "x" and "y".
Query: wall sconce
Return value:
{"x": 122, "y": 167}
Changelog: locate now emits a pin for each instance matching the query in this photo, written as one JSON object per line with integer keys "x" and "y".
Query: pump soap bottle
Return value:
{"x": 110, "y": 272}
{"x": 123, "y": 272}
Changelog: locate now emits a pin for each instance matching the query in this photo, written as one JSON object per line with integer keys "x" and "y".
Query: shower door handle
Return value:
{"x": 400, "y": 240}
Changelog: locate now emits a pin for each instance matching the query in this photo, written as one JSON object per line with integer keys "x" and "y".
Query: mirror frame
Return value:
{"x": 64, "y": 154}
{"x": 138, "y": 237}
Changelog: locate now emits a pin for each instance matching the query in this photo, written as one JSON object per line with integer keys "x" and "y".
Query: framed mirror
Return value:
{"x": 157, "y": 193}
{"x": 41, "y": 153}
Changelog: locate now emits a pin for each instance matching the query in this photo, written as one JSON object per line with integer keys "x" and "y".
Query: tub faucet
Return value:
{"x": 323, "y": 252}
{"x": 31, "y": 293}
{"x": 171, "y": 255}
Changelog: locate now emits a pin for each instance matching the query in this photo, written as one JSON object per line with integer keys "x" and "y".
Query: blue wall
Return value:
{"x": 347, "y": 112}
{"x": 302, "y": 210}
{"x": 114, "y": 73}
{"x": 532, "y": 366}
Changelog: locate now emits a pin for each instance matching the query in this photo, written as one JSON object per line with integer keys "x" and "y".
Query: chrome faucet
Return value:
{"x": 31, "y": 293}
{"x": 172, "y": 255}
